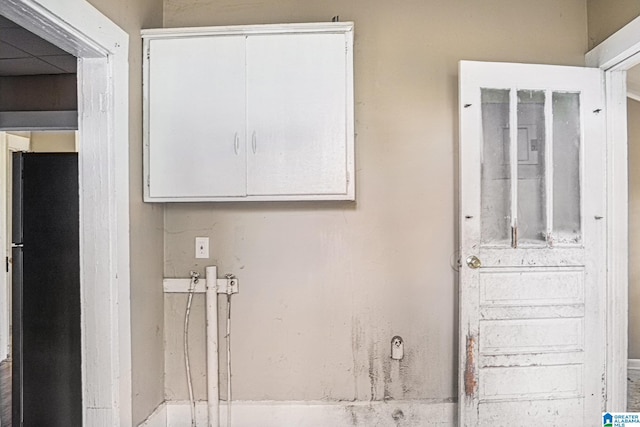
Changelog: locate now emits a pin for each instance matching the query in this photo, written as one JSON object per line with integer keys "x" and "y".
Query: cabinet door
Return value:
{"x": 296, "y": 114}
{"x": 196, "y": 98}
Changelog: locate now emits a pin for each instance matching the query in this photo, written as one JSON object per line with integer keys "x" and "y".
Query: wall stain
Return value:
{"x": 386, "y": 369}
{"x": 405, "y": 373}
{"x": 356, "y": 345}
{"x": 397, "y": 416}
{"x": 372, "y": 373}
{"x": 470, "y": 380}
{"x": 354, "y": 417}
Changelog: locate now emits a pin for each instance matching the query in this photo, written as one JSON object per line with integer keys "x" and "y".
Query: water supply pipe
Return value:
{"x": 213, "y": 392}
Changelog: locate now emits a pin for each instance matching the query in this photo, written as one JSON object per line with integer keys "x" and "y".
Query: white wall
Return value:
{"x": 325, "y": 286}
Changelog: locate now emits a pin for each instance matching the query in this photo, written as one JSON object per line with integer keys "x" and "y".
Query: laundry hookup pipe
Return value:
{"x": 213, "y": 392}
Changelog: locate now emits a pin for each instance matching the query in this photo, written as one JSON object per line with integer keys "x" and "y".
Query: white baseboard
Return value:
{"x": 633, "y": 364}
{"x": 158, "y": 418}
{"x": 311, "y": 414}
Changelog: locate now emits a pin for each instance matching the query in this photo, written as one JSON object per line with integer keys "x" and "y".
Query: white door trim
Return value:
{"x": 615, "y": 56}
{"x": 103, "y": 90}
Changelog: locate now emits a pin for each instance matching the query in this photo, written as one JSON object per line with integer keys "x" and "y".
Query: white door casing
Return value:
{"x": 103, "y": 121}
{"x": 615, "y": 56}
{"x": 532, "y": 317}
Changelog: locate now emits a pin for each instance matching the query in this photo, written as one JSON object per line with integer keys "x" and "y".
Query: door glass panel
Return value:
{"x": 496, "y": 175}
{"x": 566, "y": 167}
{"x": 531, "y": 217}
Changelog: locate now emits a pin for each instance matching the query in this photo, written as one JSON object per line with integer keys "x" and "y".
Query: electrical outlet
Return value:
{"x": 202, "y": 247}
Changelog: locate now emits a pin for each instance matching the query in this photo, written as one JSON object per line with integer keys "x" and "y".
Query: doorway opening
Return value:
{"x": 102, "y": 51}
{"x": 40, "y": 327}
{"x": 633, "y": 112}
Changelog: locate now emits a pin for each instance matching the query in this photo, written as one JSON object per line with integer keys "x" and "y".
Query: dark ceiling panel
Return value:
{"x": 22, "y": 53}
{"x": 26, "y": 67}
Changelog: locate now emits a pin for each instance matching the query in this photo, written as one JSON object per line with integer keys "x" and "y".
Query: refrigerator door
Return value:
{"x": 16, "y": 336}
{"x": 47, "y": 284}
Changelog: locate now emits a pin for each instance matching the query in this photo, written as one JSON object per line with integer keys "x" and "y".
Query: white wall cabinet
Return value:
{"x": 259, "y": 112}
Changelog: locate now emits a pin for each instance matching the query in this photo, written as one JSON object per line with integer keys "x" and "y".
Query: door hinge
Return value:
{"x": 514, "y": 236}
{"x": 148, "y": 180}
{"x": 6, "y": 260}
{"x": 148, "y": 53}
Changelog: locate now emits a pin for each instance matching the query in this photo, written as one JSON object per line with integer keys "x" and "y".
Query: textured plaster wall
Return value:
{"x": 325, "y": 286}
{"x": 605, "y": 17}
{"x": 146, "y": 223}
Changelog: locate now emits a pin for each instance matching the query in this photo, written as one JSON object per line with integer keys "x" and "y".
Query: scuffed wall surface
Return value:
{"x": 325, "y": 286}
{"x": 145, "y": 223}
{"x": 606, "y": 17}
{"x": 634, "y": 228}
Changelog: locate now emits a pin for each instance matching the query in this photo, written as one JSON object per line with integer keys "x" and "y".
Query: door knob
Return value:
{"x": 473, "y": 262}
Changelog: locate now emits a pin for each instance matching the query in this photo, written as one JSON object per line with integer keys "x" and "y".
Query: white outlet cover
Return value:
{"x": 202, "y": 247}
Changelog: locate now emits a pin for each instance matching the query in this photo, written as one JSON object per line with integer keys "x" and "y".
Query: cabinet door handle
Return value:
{"x": 236, "y": 143}
{"x": 254, "y": 142}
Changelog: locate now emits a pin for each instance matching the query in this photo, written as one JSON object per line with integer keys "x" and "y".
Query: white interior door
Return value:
{"x": 532, "y": 227}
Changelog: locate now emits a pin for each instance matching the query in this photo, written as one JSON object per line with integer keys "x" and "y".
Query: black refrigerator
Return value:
{"x": 46, "y": 346}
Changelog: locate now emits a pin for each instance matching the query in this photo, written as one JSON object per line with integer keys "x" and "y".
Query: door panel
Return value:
{"x": 197, "y": 100}
{"x": 297, "y": 91}
{"x": 532, "y": 208}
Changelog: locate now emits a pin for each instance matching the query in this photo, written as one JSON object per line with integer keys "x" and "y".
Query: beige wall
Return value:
{"x": 325, "y": 286}
{"x": 605, "y": 17}
{"x": 634, "y": 228}
{"x": 146, "y": 223}
{"x": 53, "y": 142}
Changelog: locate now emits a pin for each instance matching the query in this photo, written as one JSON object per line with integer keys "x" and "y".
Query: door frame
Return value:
{"x": 615, "y": 56}
{"x": 102, "y": 49}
